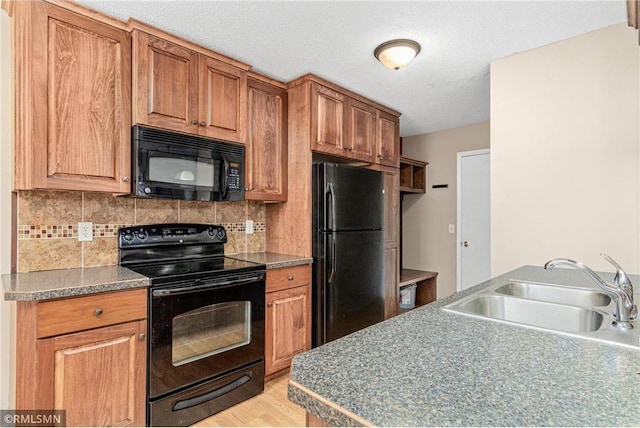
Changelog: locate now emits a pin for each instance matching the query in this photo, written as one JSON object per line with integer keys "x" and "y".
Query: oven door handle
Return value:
{"x": 194, "y": 401}
{"x": 199, "y": 286}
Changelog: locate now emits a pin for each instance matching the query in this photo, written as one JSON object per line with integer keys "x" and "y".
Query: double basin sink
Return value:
{"x": 576, "y": 311}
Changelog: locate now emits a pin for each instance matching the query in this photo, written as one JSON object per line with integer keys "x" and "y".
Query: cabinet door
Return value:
{"x": 97, "y": 376}
{"x": 387, "y": 139}
{"x": 165, "y": 90}
{"x": 391, "y": 276}
{"x": 327, "y": 120}
{"x": 222, "y": 109}
{"x": 391, "y": 205}
{"x": 361, "y": 130}
{"x": 73, "y": 81}
{"x": 288, "y": 326}
{"x": 266, "y": 165}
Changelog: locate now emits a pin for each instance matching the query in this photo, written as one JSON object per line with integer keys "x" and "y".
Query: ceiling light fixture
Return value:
{"x": 397, "y": 54}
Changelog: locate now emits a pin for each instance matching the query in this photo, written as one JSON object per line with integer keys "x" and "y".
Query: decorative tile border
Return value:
{"x": 70, "y": 231}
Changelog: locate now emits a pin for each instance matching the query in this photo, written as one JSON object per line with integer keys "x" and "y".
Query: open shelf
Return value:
{"x": 413, "y": 177}
{"x": 426, "y": 285}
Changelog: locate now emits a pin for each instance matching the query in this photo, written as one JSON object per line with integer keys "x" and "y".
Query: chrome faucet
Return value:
{"x": 621, "y": 291}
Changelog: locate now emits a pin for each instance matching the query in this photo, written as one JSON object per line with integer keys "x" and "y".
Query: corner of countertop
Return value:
{"x": 59, "y": 283}
{"x": 273, "y": 260}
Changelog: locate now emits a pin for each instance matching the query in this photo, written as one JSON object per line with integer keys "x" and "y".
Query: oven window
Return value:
{"x": 210, "y": 330}
{"x": 182, "y": 171}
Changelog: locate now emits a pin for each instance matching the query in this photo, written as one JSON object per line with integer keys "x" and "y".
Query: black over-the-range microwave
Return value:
{"x": 171, "y": 165}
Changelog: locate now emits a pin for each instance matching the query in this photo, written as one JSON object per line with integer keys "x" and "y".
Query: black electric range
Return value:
{"x": 206, "y": 320}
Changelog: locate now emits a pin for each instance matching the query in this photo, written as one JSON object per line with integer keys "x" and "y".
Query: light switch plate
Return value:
{"x": 85, "y": 231}
{"x": 452, "y": 228}
{"x": 248, "y": 228}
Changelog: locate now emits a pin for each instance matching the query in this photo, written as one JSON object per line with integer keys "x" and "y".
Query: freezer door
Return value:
{"x": 354, "y": 284}
{"x": 349, "y": 198}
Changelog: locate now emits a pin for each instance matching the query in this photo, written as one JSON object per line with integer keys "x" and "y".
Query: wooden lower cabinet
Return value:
{"x": 288, "y": 317}
{"x": 85, "y": 355}
{"x": 97, "y": 376}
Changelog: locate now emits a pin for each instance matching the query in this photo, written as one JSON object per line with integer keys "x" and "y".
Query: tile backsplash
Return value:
{"x": 48, "y": 225}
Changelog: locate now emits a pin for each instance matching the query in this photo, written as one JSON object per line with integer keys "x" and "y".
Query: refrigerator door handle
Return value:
{"x": 331, "y": 222}
{"x": 332, "y": 273}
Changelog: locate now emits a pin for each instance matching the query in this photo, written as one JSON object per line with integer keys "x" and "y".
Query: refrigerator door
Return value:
{"x": 354, "y": 284}
{"x": 349, "y": 198}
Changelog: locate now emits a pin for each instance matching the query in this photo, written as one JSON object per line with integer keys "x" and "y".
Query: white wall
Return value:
{"x": 426, "y": 241}
{"x": 7, "y": 309}
{"x": 564, "y": 152}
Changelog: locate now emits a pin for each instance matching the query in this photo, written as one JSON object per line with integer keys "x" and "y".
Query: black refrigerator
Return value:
{"x": 348, "y": 250}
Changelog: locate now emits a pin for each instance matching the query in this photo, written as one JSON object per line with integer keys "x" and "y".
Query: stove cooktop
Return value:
{"x": 186, "y": 269}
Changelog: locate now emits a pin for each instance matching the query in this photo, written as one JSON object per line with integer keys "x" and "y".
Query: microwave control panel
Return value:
{"x": 233, "y": 179}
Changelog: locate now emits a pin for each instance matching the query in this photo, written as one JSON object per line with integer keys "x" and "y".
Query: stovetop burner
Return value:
{"x": 168, "y": 252}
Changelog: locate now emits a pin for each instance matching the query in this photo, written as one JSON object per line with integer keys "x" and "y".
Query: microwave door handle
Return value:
{"x": 223, "y": 180}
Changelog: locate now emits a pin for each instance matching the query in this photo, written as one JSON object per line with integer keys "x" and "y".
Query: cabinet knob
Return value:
{"x": 194, "y": 122}
{"x": 98, "y": 312}
{"x": 246, "y": 189}
{"x": 141, "y": 336}
{"x": 380, "y": 156}
{"x": 125, "y": 179}
{"x": 290, "y": 277}
{"x": 203, "y": 123}
{"x": 269, "y": 305}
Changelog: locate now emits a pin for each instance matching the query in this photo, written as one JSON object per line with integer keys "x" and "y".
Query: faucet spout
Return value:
{"x": 621, "y": 291}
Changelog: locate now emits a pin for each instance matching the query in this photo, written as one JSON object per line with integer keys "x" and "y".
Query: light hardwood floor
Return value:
{"x": 271, "y": 408}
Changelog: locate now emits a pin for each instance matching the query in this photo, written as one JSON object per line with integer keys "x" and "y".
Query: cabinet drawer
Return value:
{"x": 281, "y": 279}
{"x": 81, "y": 313}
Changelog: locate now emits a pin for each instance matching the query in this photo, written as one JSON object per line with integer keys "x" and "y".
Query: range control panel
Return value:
{"x": 171, "y": 234}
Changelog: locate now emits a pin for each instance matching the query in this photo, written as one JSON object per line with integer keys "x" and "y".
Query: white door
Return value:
{"x": 474, "y": 219}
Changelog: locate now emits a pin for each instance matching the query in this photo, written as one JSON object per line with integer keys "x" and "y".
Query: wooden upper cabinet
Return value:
{"x": 165, "y": 93}
{"x": 73, "y": 92}
{"x": 266, "y": 154}
{"x": 347, "y": 125}
{"x": 328, "y": 110}
{"x": 387, "y": 139}
{"x": 222, "y": 100}
{"x": 178, "y": 88}
{"x": 361, "y": 130}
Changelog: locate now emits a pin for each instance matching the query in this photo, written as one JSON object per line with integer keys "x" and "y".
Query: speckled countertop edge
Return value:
{"x": 59, "y": 283}
{"x": 273, "y": 260}
{"x": 462, "y": 371}
{"x": 54, "y": 284}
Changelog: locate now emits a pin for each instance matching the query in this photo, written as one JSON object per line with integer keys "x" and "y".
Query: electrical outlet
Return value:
{"x": 85, "y": 231}
{"x": 248, "y": 227}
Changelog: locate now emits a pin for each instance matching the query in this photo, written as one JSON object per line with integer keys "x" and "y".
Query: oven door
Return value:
{"x": 204, "y": 328}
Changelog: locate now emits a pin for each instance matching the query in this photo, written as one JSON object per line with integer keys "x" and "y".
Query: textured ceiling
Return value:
{"x": 446, "y": 86}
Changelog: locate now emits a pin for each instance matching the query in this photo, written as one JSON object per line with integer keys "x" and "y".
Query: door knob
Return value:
{"x": 465, "y": 244}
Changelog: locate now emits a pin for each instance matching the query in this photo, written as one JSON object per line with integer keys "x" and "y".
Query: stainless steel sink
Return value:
{"x": 575, "y": 311}
{"x": 555, "y": 294}
{"x": 550, "y": 316}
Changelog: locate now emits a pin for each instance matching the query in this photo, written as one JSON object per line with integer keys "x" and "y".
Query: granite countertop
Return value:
{"x": 54, "y": 284}
{"x": 430, "y": 367}
{"x": 273, "y": 260}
